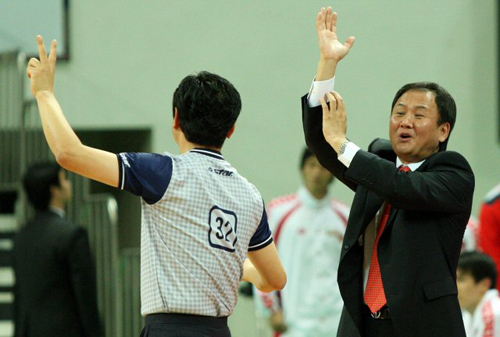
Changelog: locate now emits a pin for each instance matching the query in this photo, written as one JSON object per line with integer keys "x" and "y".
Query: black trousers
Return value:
{"x": 377, "y": 327}
{"x": 180, "y": 325}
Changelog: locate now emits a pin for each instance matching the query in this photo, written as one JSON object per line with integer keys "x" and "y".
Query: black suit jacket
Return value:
{"x": 420, "y": 247}
{"x": 55, "y": 289}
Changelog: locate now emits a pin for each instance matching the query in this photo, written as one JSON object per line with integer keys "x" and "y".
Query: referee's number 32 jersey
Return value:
{"x": 199, "y": 220}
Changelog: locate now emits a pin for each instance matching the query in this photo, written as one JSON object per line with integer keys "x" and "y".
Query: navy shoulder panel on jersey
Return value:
{"x": 145, "y": 174}
{"x": 262, "y": 236}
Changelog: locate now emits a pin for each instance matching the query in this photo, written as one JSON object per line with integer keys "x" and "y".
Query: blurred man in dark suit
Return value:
{"x": 55, "y": 289}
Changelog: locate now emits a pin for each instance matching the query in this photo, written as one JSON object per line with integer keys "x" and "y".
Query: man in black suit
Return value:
{"x": 55, "y": 289}
{"x": 397, "y": 273}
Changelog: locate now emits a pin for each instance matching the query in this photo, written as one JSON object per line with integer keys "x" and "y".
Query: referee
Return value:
{"x": 200, "y": 218}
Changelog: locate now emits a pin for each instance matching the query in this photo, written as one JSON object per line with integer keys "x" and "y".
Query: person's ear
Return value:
{"x": 485, "y": 284}
{"x": 230, "y": 133}
{"x": 444, "y": 131}
{"x": 55, "y": 191}
{"x": 177, "y": 123}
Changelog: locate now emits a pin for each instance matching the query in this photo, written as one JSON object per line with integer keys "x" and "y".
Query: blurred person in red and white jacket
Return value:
{"x": 489, "y": 229}
{"x": 308, "y": 227}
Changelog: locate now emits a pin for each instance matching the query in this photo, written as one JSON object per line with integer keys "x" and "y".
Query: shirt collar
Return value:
{"x": 488, "y": 296}
{"x": 413, "y": 166}
{"x": 310, "y": 201}
{"x": 208, "y": 152}
{"x": 57, "y": 211}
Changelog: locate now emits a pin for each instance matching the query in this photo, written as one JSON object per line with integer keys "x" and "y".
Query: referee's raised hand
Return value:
{"x": 42, "y": 72}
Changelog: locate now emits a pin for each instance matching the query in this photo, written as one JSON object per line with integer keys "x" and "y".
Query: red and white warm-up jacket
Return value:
{"x": 489, "y": 228}
{"x": 308, "y": 234}
{"x": 485, "y": 322}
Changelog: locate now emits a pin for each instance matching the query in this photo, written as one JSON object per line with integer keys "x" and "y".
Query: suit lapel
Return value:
{"x": 371, "y": 206}
{"x": 391, "y": 219}
{"x": 395, "y": 211}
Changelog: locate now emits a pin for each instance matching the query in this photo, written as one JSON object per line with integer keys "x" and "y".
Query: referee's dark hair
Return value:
{"x": 479, "y": 265}
{"x": 445, "y": 103}
{"x": 306, "y": 154}
{"x": 38, "y": 180}
{"x": 208, "y": 106}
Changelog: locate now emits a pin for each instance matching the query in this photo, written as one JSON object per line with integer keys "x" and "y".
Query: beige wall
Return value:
{"x": 128, "y": 57}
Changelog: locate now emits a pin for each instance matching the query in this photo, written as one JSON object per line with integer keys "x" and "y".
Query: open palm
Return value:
{"x": 329, "y": 44}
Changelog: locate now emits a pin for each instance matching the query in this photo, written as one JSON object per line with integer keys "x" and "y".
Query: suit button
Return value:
{"x": 346, "y": 247}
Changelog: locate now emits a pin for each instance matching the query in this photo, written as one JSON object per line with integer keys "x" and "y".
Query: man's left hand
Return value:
{"x": 334, "y": 120}
{"x": 42, "y": 72}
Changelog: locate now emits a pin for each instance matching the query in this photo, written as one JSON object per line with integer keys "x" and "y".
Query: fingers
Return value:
{"x": 53, "y": 53}
{"x": 329, "y": 14}
{"x": 320, "y": 20}
{"x": 41, "y": 48}
{"x": 339, "y": 100}
{"x": 336, "y": 102}
{"x": 324, "y": 105}
{"x": 349, "y": 42}
{"x": 334, "y": 22}
{"x": 333, "y": 101}
{"x": 33, "y": 62}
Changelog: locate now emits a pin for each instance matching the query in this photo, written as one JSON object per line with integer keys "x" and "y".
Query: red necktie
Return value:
{"x": 374, "y": 293}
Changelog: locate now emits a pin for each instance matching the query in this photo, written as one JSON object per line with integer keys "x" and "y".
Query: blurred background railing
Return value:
{"x": 11, "y": 108}
{"x": 11, "y": 114}
{"x": 130, "y": 274}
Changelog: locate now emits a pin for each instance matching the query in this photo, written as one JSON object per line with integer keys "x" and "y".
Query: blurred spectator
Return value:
{"x": 308, "y": 229}
{"x": 476, "y": 276}
{"x": 471, "y": 235}
{"x": 489, "y": 230}
{"x": 55, "y": 289}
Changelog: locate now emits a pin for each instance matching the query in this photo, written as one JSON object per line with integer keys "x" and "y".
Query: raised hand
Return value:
{"x": 42, "y": 72}
{"x": 329, "y": 44}
{"x": 334, "y": 120}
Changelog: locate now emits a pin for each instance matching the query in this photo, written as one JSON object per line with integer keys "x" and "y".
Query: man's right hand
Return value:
{"x": 331, "y": 49}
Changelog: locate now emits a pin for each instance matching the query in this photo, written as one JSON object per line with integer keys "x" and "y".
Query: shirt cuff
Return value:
{"x": 318, "y": 90}
{"x": 350, "y": 151}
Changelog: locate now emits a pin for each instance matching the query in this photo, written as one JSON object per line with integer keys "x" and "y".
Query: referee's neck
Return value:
{"x": 188, "y": 146}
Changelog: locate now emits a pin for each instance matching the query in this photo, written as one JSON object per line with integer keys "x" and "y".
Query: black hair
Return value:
{"x": 306, "y": 154}
{"x": 445, "y": 103}
{"x": 38, "y": 180}
{"x": 208, "y": 106}
{"x": 479, "y": 265}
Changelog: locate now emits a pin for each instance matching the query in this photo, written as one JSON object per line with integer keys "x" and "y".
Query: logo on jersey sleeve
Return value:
{"x": 222, "y": 232}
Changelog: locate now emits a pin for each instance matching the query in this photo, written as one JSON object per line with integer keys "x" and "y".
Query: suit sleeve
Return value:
{"x": 83, "y": 279}
{"x": 445, "y": 185}
{"x": 312, "y": 121}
